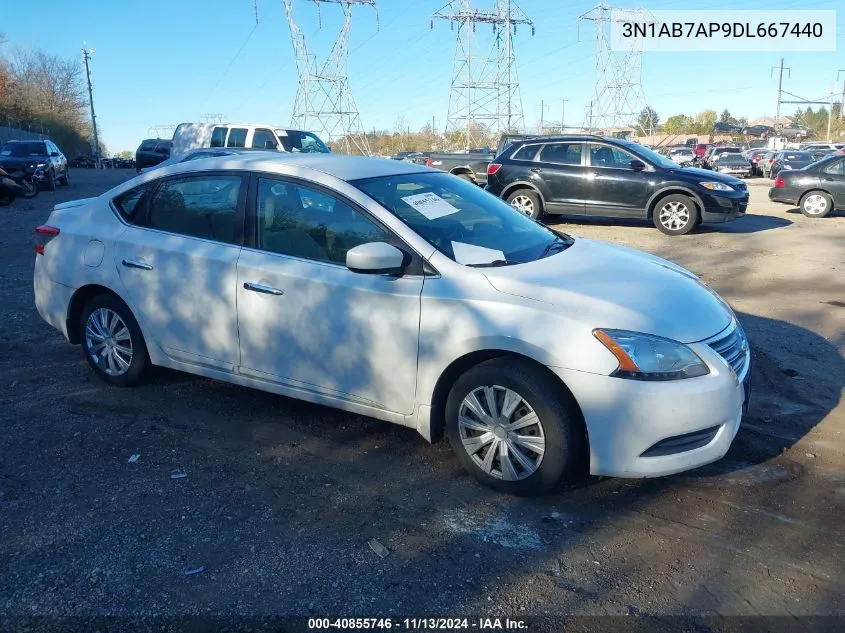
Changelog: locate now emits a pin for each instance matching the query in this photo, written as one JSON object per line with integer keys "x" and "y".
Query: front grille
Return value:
{"x": 732, "y": 346}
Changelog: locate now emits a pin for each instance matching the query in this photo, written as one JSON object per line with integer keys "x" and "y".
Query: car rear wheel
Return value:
{"x": 816, "y": 204}
{"x": 526, "y": 201}
{"x": 51, "y": 180}
{"x": 66, "y": 178}
{"x": 675, "y": 215}
{"x": 112, "y": 341}
{"x": 513, "y": 427}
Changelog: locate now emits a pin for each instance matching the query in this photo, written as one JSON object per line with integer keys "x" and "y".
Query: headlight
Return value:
{"x": 716, "y": 186}
{"x": 647, "y": 357}
{"x": 41, "y": 165}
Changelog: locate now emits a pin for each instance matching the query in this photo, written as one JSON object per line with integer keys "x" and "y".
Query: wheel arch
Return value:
{"x": 671, "y": 190}
{"x": 462, "y": 170}
{"x": 469, "y": 360}
{"x": 522, "y": 184}
{"x": 819, "y": 189}
{"x": 77, "y": 304}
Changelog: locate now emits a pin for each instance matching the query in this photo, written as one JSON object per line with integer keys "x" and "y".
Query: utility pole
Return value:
{"x": 562, "y": 113}
{"x": 542, "y": 119}
{"x": 841, "y": 103}
{"x": 780, "y": 91}
{"x": 829, "y": 113}
{"x": 86, "y": 55}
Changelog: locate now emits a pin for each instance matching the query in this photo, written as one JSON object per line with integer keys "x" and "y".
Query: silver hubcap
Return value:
{"x": 523, "y": 204}
{"x": 674, "y": 215}
{"x": 108, "y": 342}
{"x": 815, "y": 204}
{"x": 501, "y": 433}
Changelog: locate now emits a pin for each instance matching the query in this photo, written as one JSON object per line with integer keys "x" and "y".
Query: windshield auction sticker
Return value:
{"x": 703, "y": 30}
{"x": 430, "y": 205}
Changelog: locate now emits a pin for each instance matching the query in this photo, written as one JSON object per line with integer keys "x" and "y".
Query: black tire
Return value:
{"x": 671, "y": 210}
{"x": 66, "y": 178}
{"x": 30, "y": 189}
{"x": 816, "y": 204}
{"x": 140, "y": 361}
{"x": 565, "y": 450}
{"x": 51, "y": 181}
{"x": 526, "y": 201}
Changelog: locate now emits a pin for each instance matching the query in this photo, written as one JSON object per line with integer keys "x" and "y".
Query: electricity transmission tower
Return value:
{"x": 484, "y": 95}
{"x": 324, "y": 100}
{"x": 618, "y": 98}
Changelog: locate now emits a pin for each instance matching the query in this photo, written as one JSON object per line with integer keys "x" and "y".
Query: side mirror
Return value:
{"x": 637, "y": 165}
{"x": 54, "y": 154}
{"x": 375, "y": 258}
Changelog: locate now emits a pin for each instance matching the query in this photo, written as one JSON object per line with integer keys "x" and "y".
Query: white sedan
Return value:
{"x": 399, "y": 292}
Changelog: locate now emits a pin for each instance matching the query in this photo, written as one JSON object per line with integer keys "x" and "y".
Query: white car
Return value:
{"x": 403, "y": 293}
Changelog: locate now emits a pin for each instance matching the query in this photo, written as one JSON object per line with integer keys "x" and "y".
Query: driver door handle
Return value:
{"x": 265, "y": 290}
{"x": 129, "y": 263}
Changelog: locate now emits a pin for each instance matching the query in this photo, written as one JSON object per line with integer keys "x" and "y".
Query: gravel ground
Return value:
{"x": 281, "y": 497}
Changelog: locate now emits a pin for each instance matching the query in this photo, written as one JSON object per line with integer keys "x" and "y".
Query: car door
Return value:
{"x": 308, "y": 322}
{"x": 178, "y": 266}
{"x": 614, "y": 188}
{"x": 833, "y": 178}
{"x": 561, "y": 168}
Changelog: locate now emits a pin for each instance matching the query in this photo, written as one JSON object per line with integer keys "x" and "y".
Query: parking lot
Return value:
{"x": 281, "y": 498}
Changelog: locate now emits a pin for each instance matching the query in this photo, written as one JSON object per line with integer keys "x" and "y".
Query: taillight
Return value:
{"x": 428, "y": 162}
{"x": 43, "y": 234}
{"x": 779, "y": 182}
{"x": 492, "y": 168}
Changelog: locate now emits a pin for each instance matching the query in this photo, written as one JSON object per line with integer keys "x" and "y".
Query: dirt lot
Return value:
{"x": 282, "y": 497}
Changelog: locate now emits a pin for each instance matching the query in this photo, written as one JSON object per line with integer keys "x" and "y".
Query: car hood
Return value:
{"x": 705, "y": 175}
{"x": 609, "y": 286}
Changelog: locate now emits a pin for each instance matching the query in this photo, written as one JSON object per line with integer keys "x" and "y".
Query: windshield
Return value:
{"x": 649, "y": 155}
{"x": 462, "y": 221}
{"x": 305, "y": 142}
{"x": 20, "y": 150}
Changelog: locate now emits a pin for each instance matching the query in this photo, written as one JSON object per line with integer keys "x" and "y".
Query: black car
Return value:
{"x": 787, "y": 160}
{"x": 816, "y": 189}
{"x": 592, "y": 176}
{"x": 42, "y": 159}
{"x": 151, "y": 152}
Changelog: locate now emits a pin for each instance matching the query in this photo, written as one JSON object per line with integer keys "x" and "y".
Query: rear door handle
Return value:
{"x": 139, "y": 265}
{"x": 266, "y": 290}
{"x": 537, "y": 170}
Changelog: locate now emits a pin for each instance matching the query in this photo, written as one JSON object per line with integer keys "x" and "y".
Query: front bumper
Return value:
{"x": 626, "y": 418}
{"x": 725, "y": 206}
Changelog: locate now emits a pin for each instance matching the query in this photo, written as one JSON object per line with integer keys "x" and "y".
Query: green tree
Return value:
{"x": 726, "y": 117}
{"x": 647, "y": 120}
{"x": 679, "y": 124}
{"x": 126, "y": 154}
{"x": 704, "y": 122}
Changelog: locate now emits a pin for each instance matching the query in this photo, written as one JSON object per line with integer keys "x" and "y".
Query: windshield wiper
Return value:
{"x": 555, "y": 244}
{"x": 495, "y": 262}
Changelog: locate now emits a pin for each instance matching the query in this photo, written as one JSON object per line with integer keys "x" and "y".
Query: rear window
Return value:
{"x": 526, "y": 152}
{"x": 218, "y": 137}
{"x": 130, "y": 203}
{"x": 797, "y": 156}
{"x": 237, "y": 137}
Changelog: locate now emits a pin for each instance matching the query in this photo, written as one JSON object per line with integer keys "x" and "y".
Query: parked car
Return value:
{"x": 721, "y": 127}
{"x": 809, "y": 147}
{"x": 759, "y": 131}
{"x": 717, "y": 150}
{"x": 683, "y": 156}
{"x": 84, "y": 162}
{"x": 701, "y": 149}
{"x": 593, "y": 176}
{"x": 189, "y": 136}
{"x": 789, "y": 160}
{"x": 394, "y": 291}
{"x": 765, "y": 163}
{"x": 470, "y": 167}
{"x": 199, "y": 154}
{"x": 43, "y": 159}
{"x": 816, "y": 189}
{"x": 733, "y": 164}
{"x": 151, "y": 152}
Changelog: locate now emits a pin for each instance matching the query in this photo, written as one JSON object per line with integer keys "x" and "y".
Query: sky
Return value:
{"x": 164, "y": 62}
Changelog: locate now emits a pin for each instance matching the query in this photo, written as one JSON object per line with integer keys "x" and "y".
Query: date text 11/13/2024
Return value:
{"x": 418, "y": 624}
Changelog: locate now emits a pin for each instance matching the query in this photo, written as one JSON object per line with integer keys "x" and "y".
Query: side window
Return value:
{"x": 606, "y": 156}
{"x": 836, "y": 168}
{"x": 264, "y": 139}
{"x": 218, "y": 137}
{"x": 198, "y": 206}
{"x": 561, "y": 153}
{"x": 303, "y": 222}
{"x": 526, "y": 152}
{"x": 237, "y": 137}
{"x": 130, "y": 203}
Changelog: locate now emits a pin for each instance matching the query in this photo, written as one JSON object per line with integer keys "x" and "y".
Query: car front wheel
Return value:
{"x": 513, "y": 427}
{"x": 816, "y": 204}
{"x": 675, "y": 215}
{"x": 112, "y": 341}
